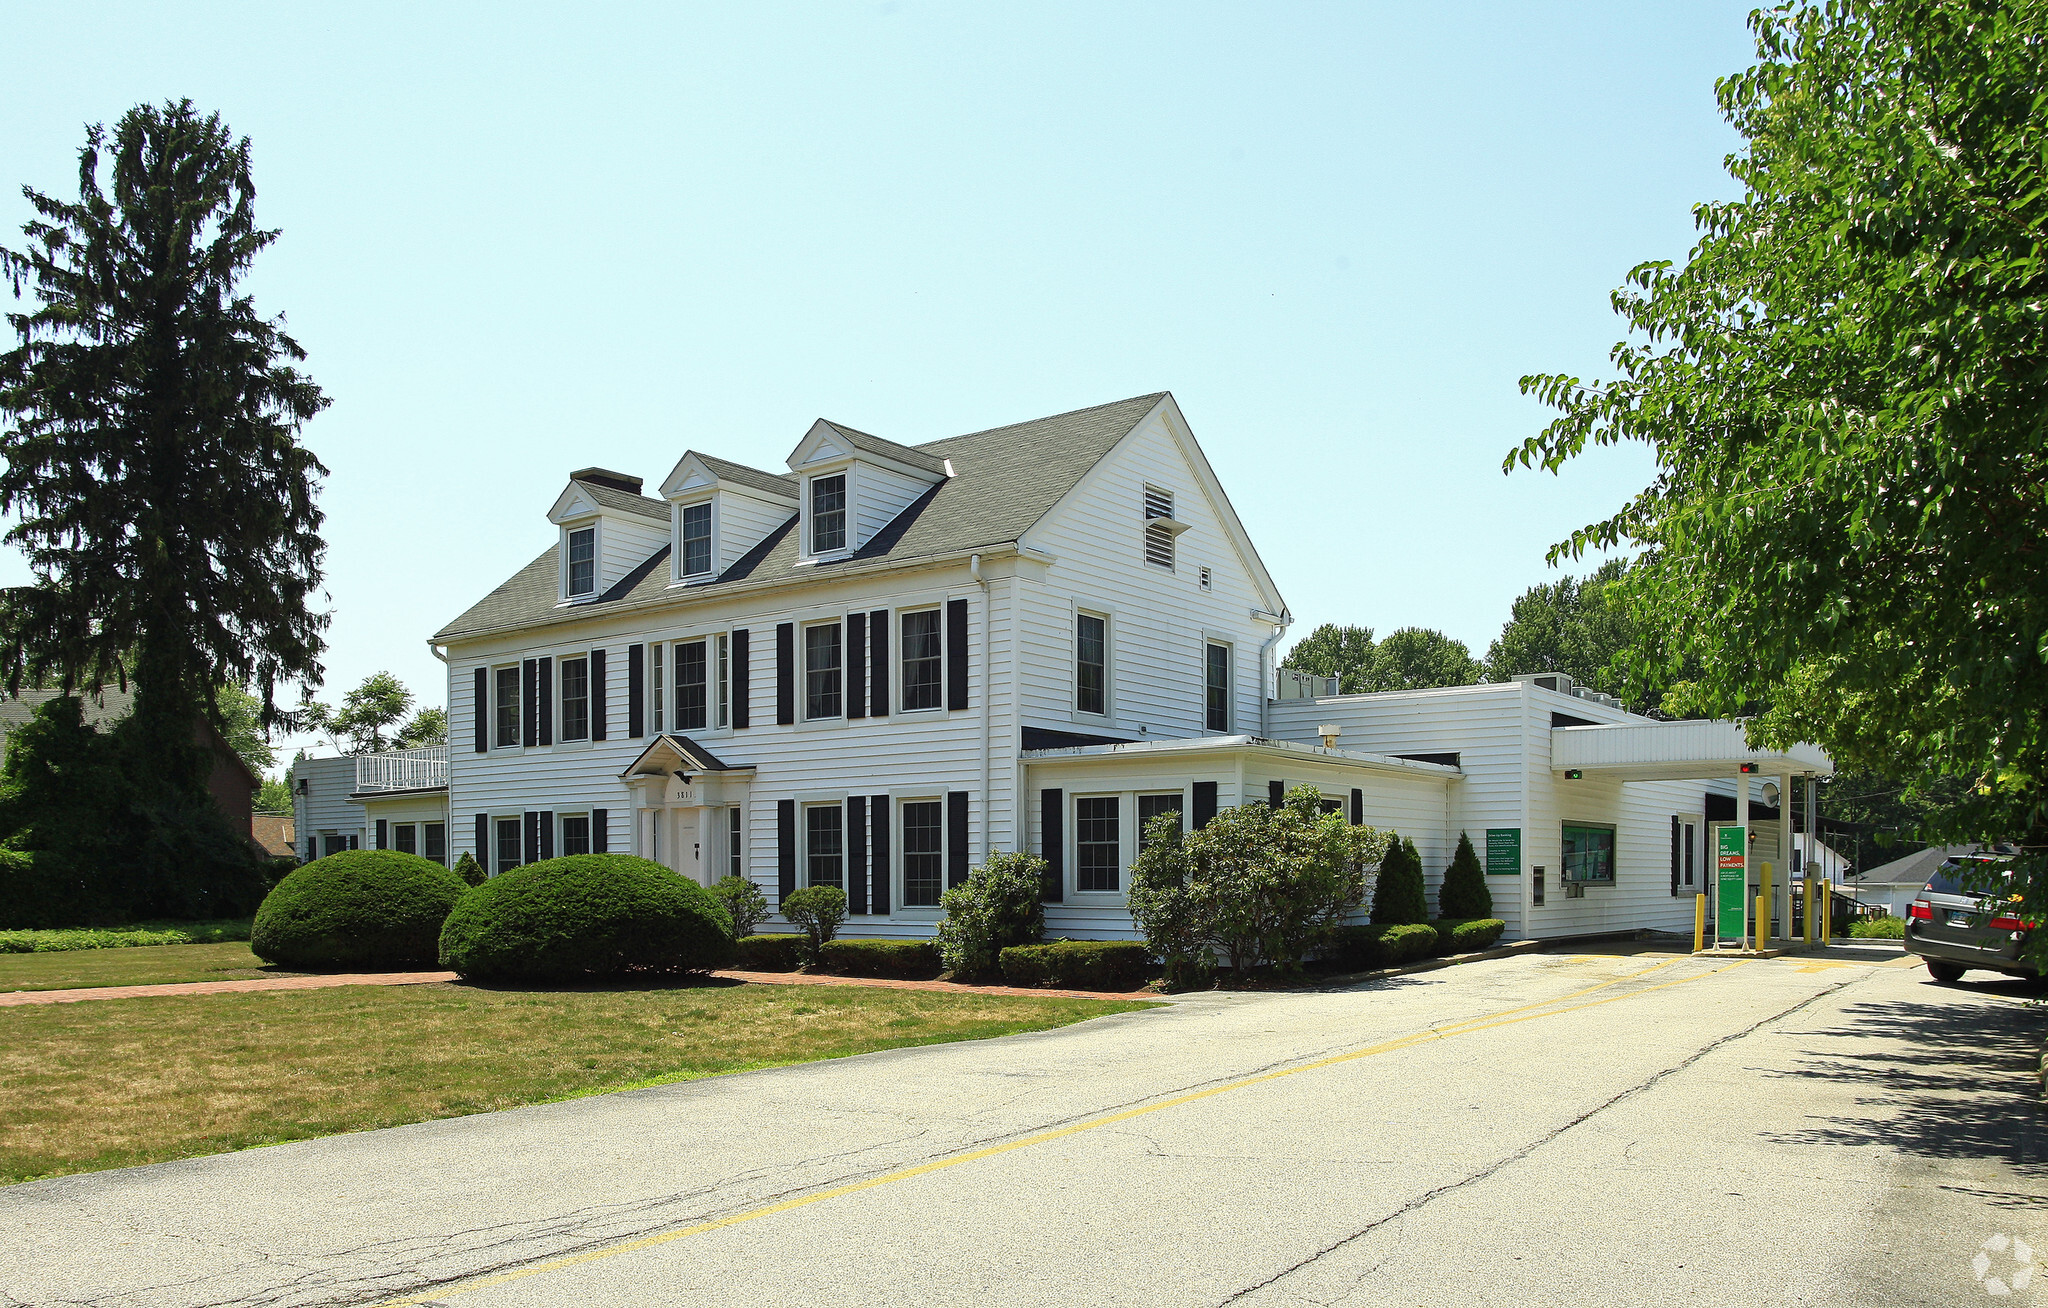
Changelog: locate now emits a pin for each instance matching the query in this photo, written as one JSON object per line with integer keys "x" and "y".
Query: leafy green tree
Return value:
{"x": 1843, "y": 388}
{"x": 1418, "y": 658}
{"x": 274, "y": 796}
{"x": 241, "y": 716}
{"x": 1463, "y": 892}
{"x": 1574, "y": 625}
{"x": 163, "y": 501}
{"x": 429, "y": 726}
{"x": 1333, "y": 651}
{"x": 367, "y": 713}
{"x": 1399, "y": 897}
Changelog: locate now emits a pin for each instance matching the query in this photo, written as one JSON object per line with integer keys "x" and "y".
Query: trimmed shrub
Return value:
{"x": 1398, "y": 898}
{"x": 1111, "y": 965}
{"x": 911, "y": 960}
{"x": 1366, "y": 947}
{"x": 586, "y": 915}
{"x": 167, "y": 933}
{"x": 1463, "y": 895}
{"x": 818, "y": 910}
{"x": 363, "y": 909}
{"x": 744, "y": 903}
{"x": 471, "y": 871}
{"x": 999, "y": 905}
{"x": 1466, "y": 935}
{"x": 776, "y": 953}
{"x": 1885, "y": 927}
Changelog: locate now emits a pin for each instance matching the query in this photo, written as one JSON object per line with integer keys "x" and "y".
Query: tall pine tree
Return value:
{"x": 164, "y": 502}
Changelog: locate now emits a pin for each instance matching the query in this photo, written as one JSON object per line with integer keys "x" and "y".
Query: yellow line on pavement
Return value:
{"x": 1468, "y": 1027}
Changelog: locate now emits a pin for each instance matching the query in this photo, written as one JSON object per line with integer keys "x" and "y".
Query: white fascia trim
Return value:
{"x": 1240, "y": 745}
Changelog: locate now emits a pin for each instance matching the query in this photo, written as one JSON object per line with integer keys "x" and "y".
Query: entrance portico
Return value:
{"x": 1708, "y": 751}
{"x": 689, "y": 808}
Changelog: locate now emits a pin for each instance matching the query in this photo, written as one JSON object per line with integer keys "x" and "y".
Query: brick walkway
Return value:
{"x": 20, "y": 997}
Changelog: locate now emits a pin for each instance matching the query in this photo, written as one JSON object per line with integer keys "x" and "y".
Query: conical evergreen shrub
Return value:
{"x": 469, "y": 869}
{"x": 1463, "y": 893}
{"x": 1398, "y": 898}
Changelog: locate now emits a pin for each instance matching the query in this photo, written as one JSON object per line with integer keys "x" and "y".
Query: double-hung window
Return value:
{"x": 506, "y": 704}
{"x": 1091, "y": 663}
{"x": 576, "y": 699}
{"x": 923, "y": 854}
{"x": 508, "y": 844}
{"x": 1098, "y": 844}
{"x": 828, "y": 514}
{"x": 1216, "y": 687}
{"x": 825, "y": 845}
{"x": 691, "y": 703}
{"x": 1588, "y": 852}
{"x": 822, "y": 671}
{"x": 405, "y": 838}
{"x": 697, "y": 540}
{"x": 654, "y": 684}
{"x": 921, "y": 668}
{"x": 1153, "y": 806}
{"x": 576, "y": 835}
{"x": 435, "y": 841}
{"x": 580, "y": 570}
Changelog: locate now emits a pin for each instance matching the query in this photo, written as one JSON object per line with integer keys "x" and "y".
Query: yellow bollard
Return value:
{"x": 1699, "y": 923}
{"x": 1827, "y": 912}
{"x": 1763, "y": 923}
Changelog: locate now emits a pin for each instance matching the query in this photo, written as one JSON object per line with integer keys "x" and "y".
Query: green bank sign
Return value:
{"x": 1503, "y": 851}
{"x": 1731, "y": 870}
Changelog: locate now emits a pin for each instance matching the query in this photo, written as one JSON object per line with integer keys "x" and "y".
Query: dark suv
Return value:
{"x": 1964, "y": 918}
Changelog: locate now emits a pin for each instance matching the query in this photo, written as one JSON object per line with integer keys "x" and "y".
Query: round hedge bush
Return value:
{"x": 586, "y": 915}
{"x": 361, "y": 910}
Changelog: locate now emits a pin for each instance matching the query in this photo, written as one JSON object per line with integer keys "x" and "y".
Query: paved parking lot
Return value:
{"x": 1596, "y": 1128}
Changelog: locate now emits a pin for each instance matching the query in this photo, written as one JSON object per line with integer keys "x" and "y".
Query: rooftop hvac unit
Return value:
{"x": 1557, "y": 681}
{"x": 1295, "y": 684}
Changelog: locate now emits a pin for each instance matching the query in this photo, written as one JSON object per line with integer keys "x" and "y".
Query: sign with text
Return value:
{"x": 1731, "y": 877}
{"x": 1503, "y": 851}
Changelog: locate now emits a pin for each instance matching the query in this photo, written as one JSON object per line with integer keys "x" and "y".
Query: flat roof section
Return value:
{"x": 1677, "y": 751}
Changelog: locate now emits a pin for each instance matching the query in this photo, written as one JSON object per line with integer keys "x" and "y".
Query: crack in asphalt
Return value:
{"x": 1430, "y": 1196}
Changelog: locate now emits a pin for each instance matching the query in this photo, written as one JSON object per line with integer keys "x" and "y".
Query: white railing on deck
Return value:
{"x": 403, "y": 769}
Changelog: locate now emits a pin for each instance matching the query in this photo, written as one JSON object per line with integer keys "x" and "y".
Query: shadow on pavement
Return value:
{"x": 1958, "y": 1081}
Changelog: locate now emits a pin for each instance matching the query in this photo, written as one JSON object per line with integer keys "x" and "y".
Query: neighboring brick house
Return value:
{"x": 232, "y": 783}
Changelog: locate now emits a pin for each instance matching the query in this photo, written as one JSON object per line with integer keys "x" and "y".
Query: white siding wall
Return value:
{"x": 1160, "y": 620}
{"x": 879, "y": 494}
{"x": 741, "y": 522}
{"x": 624, "y": 542}
{"x": 325, "y": 805}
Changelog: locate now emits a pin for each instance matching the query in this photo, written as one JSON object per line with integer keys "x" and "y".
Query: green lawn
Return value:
{"x": 75, "y": 968}
{"x": 111, "y": 1083}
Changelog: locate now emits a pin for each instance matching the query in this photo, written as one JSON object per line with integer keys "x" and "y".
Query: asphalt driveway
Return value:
{"x": 1615, "y": 1128}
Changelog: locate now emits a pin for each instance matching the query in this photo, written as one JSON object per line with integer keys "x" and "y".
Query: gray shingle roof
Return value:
{"x": 109, "y": 706}
{"x": 611, "y": 497}
{"x": 1004, "y": 480}
{"x": 909, "y": 454}
{"x": 740, "y": 474}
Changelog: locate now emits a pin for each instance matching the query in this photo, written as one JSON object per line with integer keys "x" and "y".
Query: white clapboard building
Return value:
{"x": 875, "y": 667}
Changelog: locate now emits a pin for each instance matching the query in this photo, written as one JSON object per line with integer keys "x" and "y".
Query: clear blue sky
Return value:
{"x": 518, "y": 242}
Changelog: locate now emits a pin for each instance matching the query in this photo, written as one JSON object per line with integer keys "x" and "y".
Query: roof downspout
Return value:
{"x": 988, "y": 628}
{"x": 1266, "y": 674}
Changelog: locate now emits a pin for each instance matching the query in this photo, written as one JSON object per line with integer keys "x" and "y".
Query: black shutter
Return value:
{"x": 878, "y": 808}
{"x": 857, "y": 854}
{"x": 597, "y": 694}
{"x": 742, "y": 681}
{"x": 636, "y": 691}
{"x": 956, "y": 654}
{"x": 383, "y": 833}
{"x": 956, "y": 837}
{"x": 1675, "y": 837}
{"x": 547, "y": 701}
{"x": 483, "y": 710}
{"x": 1205, "y": 803}
{"x": 531, "y": 852}
{"x": 483, "y": 843}
{"x": 1052, "y": 819}
{"x": 600, "y": 831}
{"x": 1276, "y": 793}
{"x": 785, "y": 849}
{"x": 856, "y": 665}
{"x": 878, "y": 661}
{"x": 312, "y": 848}
{"x": 1357, "y": 807}
{"x": 547, "y": 835}
{"x": 529, "y": 675}
{"x": 353, "y": 842}
{"x": 785, "y": 673}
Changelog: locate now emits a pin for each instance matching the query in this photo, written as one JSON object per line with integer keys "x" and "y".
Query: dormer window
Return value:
{"x": 697, "y": 540}
{"x": 580, "y": 563}
{"x": 828, "y": 513}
